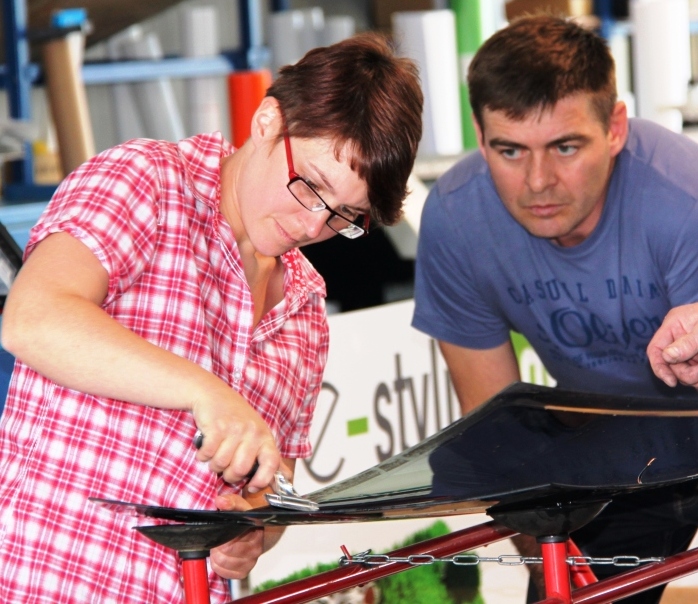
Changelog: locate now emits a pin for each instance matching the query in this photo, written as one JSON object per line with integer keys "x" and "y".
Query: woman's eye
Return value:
{"x": 311, "y": 184}
{"x": 348, "y": 213}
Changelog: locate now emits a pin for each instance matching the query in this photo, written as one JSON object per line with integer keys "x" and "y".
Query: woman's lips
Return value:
{"x": 289, "y": 240}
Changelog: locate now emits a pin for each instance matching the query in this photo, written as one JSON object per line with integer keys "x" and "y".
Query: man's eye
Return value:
{"x": 566, "y": 150}
{"x": 511, "y": 153}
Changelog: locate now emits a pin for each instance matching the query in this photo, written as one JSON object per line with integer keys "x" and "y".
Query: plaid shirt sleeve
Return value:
{"x": 109, "y": 205}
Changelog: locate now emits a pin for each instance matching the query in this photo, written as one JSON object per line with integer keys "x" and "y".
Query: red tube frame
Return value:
{"x": 581, "y": 574}
{"x": 556, "y": 570}
{"x": 638, "y": 579}
{"x": 344, "y": 577}
{"x": 601, "y": 592}
{"x": 195, "y": 576}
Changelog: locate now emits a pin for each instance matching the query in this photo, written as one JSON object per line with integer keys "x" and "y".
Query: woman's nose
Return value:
{"x": 314, "y": 222}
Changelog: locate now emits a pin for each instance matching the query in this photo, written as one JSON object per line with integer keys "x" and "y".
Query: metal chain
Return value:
{"x": 368, "y": 559}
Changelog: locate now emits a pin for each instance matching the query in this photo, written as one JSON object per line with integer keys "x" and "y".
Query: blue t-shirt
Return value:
{"x": 590, "y": 310}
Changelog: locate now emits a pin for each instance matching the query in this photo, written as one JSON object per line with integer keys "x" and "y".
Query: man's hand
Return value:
{"x": 235, "y": 559}
{"x": 673, "y": 351}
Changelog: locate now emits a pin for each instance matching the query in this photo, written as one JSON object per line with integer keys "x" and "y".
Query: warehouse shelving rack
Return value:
{"x": 18, "y": 75}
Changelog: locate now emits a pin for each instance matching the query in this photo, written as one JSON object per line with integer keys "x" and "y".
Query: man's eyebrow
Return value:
{"x": 502, "y": 142}
{"x": 568, "y": 138}
{"x": 563, "y": 140}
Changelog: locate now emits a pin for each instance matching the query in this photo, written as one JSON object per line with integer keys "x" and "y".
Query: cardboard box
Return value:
{"x": 383, "y": 9}
{"x": 559, "y": 8}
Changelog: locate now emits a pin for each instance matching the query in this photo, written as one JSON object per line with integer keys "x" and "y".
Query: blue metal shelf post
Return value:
{"x": 19, "y": 75}
{"x": 18, "y": 81}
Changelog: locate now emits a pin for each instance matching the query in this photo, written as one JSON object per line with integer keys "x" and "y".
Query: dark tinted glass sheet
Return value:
{"x": 529, "y": 444}
{"x": 532, "y": 438}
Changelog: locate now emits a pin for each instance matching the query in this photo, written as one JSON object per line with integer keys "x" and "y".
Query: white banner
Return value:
{"x": 386, "y": 388}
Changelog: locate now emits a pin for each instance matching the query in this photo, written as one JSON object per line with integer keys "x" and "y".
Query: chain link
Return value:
{"x": 368, "y": 559}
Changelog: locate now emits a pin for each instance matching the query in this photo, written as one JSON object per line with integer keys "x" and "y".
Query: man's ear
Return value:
{"x": 479, "y": 135}
{"x": 266, "y": 121}
{"x": 618, "y": 128}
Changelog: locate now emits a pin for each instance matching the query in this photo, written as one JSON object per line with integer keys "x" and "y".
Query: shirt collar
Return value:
{"x": 201, "y": 156}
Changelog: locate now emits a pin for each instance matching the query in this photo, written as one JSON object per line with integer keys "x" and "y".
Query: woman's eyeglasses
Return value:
{"x": 310, "y": 200}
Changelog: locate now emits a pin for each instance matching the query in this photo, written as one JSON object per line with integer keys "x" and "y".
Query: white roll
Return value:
{"x": 405, "y": 233}
{"x": 127, "y": 118}
{"x": 199, "y": 27}
{"x": 619, "y": 44}
{"x": 284, "y": 39}
{"x": 199, "y": 31}
{"x": 338, "y": 28}
{"x": 313, "y": 26}
{"x": 661, "y": 58}
{"x": 429, "y": 38}
{"x": 155, "y": 98}
{"x": 292, "y": 33}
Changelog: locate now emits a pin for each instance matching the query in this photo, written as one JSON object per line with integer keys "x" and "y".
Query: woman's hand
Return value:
{"x": 235, "y": 436}
{"x": 235, "y": 559}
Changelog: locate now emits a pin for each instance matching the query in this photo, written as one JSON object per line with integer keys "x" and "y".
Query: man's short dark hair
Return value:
{"x": 535, "y": 62}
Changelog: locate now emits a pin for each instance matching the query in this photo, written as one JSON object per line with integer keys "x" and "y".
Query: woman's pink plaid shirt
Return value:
{"x": 149, "y": 212}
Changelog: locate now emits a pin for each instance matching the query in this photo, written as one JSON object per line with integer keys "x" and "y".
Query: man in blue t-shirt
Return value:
{"x": 573, "y": 226}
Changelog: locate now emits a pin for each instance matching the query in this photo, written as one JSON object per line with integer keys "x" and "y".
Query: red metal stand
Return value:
{"x": 555, "y": 568}
{"x": 195, "y": 576}
{"x": 634, "y": 581}
{"x": 344, "y": 577}
{"x": 581, "y": 573}
{"x": 638, "y": 579}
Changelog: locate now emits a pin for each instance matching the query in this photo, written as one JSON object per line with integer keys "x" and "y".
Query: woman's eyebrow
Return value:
{"x": 323, "y": 178}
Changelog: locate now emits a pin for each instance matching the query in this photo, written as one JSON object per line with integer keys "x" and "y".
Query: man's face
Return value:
{"x": 552, "y": 168}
